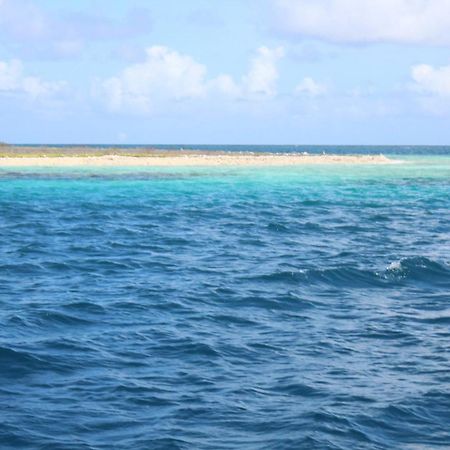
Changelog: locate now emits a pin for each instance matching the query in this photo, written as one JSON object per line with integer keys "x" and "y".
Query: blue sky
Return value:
{"x": 225, "y": 71}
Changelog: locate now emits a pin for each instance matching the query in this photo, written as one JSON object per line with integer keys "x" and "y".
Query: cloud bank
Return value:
{"x": 366, "y": 21}
{"x": 167, "y": 75}
{"x": 36, "y": 32}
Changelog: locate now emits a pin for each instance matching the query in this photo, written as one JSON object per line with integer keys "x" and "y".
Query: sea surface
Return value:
{"x": 227, "y": 308}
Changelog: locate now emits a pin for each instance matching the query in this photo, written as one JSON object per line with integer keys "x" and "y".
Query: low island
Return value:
{"x": 16, "y": 156}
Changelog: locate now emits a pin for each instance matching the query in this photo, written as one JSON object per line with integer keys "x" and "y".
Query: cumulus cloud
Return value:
{"x": 165, "y": 74}
{"x": 431, "y": 80}
{"x": 263, "y": 74}
{"x": 366, "y": 21}
{"x": 168, "y": 76}
{"x": 310, "y": 87}
{"x": 14, "y": 81}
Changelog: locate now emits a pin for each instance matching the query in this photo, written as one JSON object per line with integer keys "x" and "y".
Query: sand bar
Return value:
{"x": 188, "y": 159}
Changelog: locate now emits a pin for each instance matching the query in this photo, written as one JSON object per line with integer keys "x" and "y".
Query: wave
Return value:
{"x": 20, "y": 363}
{"x": 418, "y": 269}
{"x": 58, "y": 318}
{"x": 407, "y": 270}
{"x": 297, "y": 389}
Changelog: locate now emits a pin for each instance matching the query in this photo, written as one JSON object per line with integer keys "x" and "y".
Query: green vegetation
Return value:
{"x": 9, "y": 151}
{"x": 58, "y": 154}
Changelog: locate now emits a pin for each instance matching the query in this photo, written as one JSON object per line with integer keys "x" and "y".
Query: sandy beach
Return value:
{"x": 193, "y": 159}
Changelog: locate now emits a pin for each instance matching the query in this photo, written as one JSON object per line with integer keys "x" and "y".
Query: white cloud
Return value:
{"x": 430, "y": 80}
{"x": 263, "y": 74}
{"x": 366, "y": 21}
{"x": 14, "y": 81}
{"x": 310, "y": 87}
{"x": 167, "y": 76}
{"x": 226, "y": 85}
{"x": 433, "y": 86}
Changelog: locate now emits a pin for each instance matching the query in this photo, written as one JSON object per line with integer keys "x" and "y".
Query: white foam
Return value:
{"x": 396, "y": 265}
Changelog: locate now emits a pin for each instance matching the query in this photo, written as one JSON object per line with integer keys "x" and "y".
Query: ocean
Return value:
{"x": 216, "y": 308}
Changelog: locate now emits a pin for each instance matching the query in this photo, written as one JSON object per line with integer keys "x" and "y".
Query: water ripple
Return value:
{"x": 303, "y": 308}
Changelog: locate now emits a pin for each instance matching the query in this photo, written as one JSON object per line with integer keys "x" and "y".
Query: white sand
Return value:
{"x": 191, "y": 160}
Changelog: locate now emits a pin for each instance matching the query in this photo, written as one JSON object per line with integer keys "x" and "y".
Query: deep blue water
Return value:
{"x": 237, "y": 308}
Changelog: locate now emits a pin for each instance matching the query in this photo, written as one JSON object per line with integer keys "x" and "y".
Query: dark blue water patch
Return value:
{"x": 303, "y": 309}
{"x": 91, "y": 175}
{"x": 17, "y": 364}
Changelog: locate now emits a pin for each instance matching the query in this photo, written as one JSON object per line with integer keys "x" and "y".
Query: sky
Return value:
{"x": 358, "y": 72}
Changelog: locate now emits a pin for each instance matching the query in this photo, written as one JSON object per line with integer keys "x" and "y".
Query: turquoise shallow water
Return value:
{"x": 212, "y": 308}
